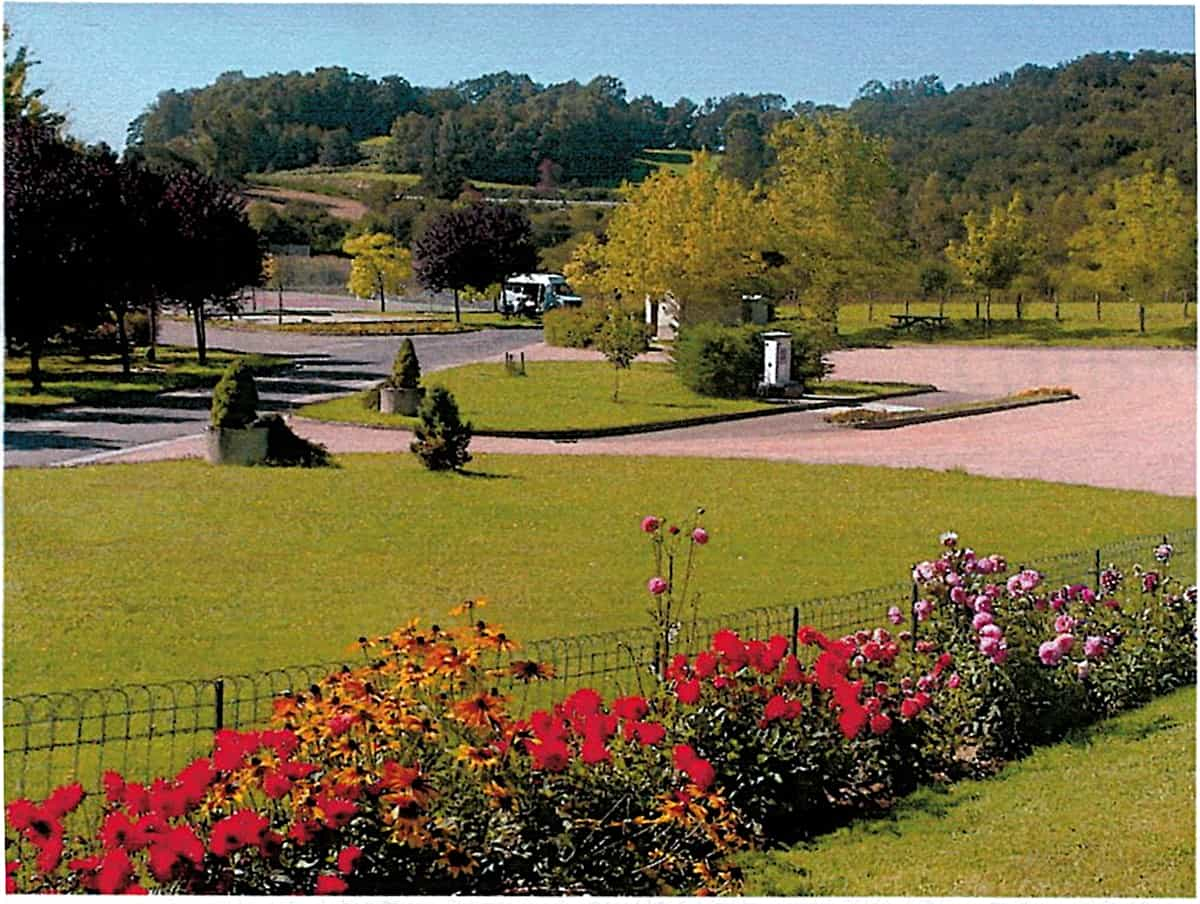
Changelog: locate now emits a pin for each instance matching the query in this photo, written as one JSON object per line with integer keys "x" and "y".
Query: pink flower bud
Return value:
{"x": 700, "y": 536}
{"x": 650, "y": 524}
{"x": 657, "y": 586}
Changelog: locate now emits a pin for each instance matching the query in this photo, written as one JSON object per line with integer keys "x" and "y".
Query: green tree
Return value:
{"x": 828, "y": 200}
{"x": 997, "y": 248}
{"x": 441, "y": 437}
{"x": 379, "y": 266}
{"x": 1140, "y": 236}
{"x": 19, "y": 101}
{"x": 746, "y": 153}
{"x": 697, "y": 236}
{"x": 621, "y": 339}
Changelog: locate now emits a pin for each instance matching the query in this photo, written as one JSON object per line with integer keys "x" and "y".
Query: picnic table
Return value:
{"x": 908, "y": 321}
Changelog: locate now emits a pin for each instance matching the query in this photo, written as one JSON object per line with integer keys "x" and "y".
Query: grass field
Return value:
{"x": 98, "y": 380}
{"x": 124, "y": 573}
{"x": 553, "y": 395}
{"x": 1166, "y": 326}
{"x": 1111, "y": 812}
{"x": 390, "y": 324}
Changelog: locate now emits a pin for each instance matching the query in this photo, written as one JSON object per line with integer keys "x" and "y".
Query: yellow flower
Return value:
{"x": 476, "y": 758}
{"x": 457, "y": 861}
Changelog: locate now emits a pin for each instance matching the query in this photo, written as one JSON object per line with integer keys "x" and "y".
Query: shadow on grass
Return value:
{"x": 486, "y": 475}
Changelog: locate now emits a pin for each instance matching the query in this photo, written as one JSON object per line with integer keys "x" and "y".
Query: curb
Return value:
{"x": 655, "y": 427}
{"x": 929, "y": 417}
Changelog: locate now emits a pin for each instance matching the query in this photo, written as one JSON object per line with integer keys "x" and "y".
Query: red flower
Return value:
{"x": 731, "y": 649}
{"x": 872, "y": 651}
{"x": 880, "y": 723}
{"x": 830, "y": 670}
{"x": 63, "y": 800}
{"x": 304, "y": 831}
{"x": 909, "y": 708}
{"x": 242, "y": 829}
{"x": 706, "y": 664}
{"x": 114, "y": 873}
{"x": 50, "y": 850}
{"x": 296, "y": 771}
{"x": 808, "y": 635}
{"x": 584, "y": 702}
{"x": 630, "y": 709}
{"x": 276, "y": 785}
{"x": 852, "y": 720}
{"x": 175, "y": 853}
{"x": 168, "y": 799}
{"x": 21, "y": 814}
{"x": 271, "y": 845}
{"x": 650, "y": 733}
{"x": 282, "y": 741}
{"x": 923, "y": 699}
{"x": 119, "y": 831}
{"x": 547, "y": 727}
{"x": 329, "y": 884}
{"x": 10, "y": 873}
{"x": 846, "y": 693}
{"x": 682, "y": 755}
{"x": 337, "y": 812}
{"x": 193, "y": 781}
{"x": 114, "y": 786}
{"x": 348, "y": 859}
{"x": 792, "y": 673}
{"x": 779, "y": 707}
{"x": 678, "y": 668}
{"x": 149, "y": 827}
{"x": 942, "y": 664}
{"x": 136, "y": 798}
{"x": 551, "y": 755}
{"x": 688, "y": 692}
{"x": 593, "y": 750}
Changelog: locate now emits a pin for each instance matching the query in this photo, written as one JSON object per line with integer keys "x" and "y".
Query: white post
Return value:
{"x": 777, "y": 359}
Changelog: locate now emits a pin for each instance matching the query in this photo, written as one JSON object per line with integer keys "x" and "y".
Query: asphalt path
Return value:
{"x": 324, "y": 366}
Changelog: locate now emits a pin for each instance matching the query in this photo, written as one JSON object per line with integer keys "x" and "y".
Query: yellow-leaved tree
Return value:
{"x": 379, "y": 266}
{"x": 830, "y": 203}
{"x": 997, "y": 248}
{"x": 1139, "y": 238}
{"x": 697, "y": 236}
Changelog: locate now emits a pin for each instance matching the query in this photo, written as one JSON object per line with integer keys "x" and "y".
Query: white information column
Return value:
{"x": 777, "y": 359}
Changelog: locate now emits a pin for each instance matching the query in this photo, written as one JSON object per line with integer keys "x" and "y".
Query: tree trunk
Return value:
{"x": 382, "y": 300}
{"x": 152, "y": 352}
{"x": 457, "y": 312}
{"x": 35, "y": 365}
{"x": 616, "y": 382}
{"x": 123, "y": 341}
{"x": 198, "y": 319}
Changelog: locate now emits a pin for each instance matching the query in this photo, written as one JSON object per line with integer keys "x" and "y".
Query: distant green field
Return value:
{"x": 862, "y": 324}
{"x": 340, "y": 183}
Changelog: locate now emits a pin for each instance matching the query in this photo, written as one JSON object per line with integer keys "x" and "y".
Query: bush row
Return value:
{"x": 409, "y": 775}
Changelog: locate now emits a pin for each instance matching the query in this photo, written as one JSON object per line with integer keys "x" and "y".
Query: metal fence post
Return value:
{"x": 219, "y": 703}
{"x": 1096, "y": 570}
{"x": 795, "y": 630}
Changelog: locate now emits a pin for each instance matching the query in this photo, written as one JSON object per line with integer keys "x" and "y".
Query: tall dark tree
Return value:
{"x": 215, "y": 251}
{"x": 746, "y": 153}
{"x": 54, "y": 214}
{"x": 476, "y": 246}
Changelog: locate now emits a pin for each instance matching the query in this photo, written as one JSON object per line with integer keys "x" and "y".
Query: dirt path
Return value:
{"x": 1133, "y": 427}
{"x": 342, "y": 208}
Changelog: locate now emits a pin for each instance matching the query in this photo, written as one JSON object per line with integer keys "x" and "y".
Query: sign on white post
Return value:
{"x": 777, "y": 359}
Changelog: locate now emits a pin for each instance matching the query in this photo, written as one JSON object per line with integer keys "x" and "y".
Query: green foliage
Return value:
{"x": 235, "y": 398}
{"x": 380, "y": 266}
{"x": 573, "y": 327}
{"x": 998, "y": 249}
{"x": 720, "y": 361}
{"x": 287, "y": 450}
{"x": 441, "y": 437}
{"x": 622, "y": 338}
{"x": 406, "y": 369}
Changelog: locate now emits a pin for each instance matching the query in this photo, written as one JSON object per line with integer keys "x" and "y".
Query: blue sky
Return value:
{"x": 104, "y": 63}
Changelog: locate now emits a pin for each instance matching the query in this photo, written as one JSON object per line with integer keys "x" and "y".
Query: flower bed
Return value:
{"x": 409, "y": 775}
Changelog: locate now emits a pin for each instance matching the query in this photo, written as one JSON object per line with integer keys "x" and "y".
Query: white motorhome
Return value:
{"x": 536, "y": 293}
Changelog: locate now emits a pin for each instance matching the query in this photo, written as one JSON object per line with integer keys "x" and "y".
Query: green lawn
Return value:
{"x": 1165, "y": 325}
{"x": 124, "y": 573}
{"x": 1109, "y": 813}
{"x": 554, "y": 395}
{"x": 97, "y": 380}
{"x": 390, "y": 324}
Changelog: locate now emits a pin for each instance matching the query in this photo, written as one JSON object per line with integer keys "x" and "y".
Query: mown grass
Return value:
{"x": 554, "y": 395}
{"x": 97, "y": 380}
{"x": 391, "y": 324}
{"x": 134, "y": 573}
{"x": 1108, "y": 813}
{"x": 1166, "y": 325}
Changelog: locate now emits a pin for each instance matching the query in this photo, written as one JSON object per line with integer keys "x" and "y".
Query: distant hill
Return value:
{"x": 1041, "y": 130}
{"x": 1044, "y": 131}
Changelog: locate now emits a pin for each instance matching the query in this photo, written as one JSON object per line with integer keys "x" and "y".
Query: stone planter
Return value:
{"x": 234, "y": 446}
{"x": 399, "y": 401}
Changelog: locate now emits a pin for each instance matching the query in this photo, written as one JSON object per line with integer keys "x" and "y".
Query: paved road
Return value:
{"x": 325, "y": 366}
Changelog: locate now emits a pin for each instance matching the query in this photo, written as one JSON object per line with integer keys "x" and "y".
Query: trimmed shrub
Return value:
{"x": 287, "y": 450}
{"x": 442, "y": 436}
{"x": 573, "y": 327}
{"x": 406, "y": 369}
{"x": 722, "y": 361}
{"x": 235, "y": 398}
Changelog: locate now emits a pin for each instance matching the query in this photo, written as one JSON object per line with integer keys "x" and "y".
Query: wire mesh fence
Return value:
{"x": 148, "y": 730}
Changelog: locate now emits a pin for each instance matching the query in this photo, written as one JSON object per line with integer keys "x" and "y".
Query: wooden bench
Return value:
{"x": 908, "y": 321}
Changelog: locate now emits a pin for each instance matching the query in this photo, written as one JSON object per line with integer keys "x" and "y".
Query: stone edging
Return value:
{"x": 908, "y": 419}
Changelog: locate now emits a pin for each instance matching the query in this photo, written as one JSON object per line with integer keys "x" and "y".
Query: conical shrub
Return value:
{"x": 235, "y": 398}
{"x": 442, "y": 436}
